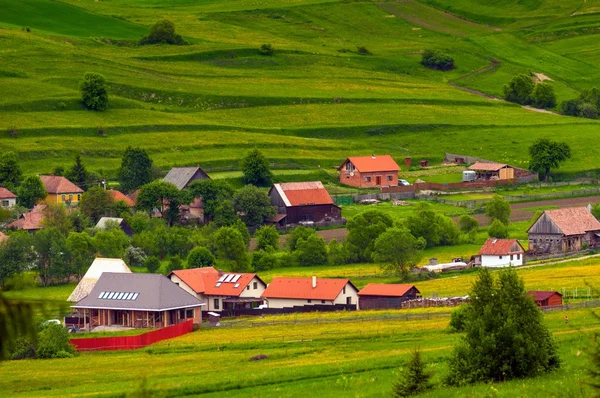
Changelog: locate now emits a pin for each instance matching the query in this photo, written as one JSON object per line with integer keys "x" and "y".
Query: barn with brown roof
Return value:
{"x": 61, "y": 190}
{"x": 546, "y": 298}
{"x": 369, "y": 171}
{"x": 501, "y": 253}
{"x": 492, "y": 171}
{"x": 30, "y": 221}
{"x": 303, "y": 202}
{"x": 302, "y": 292}
{"x": 377, "y": 296}
{"x": 563, "y": 231}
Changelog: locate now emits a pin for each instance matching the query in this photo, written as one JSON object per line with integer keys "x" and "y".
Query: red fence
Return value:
{"x": 132, "y": 342}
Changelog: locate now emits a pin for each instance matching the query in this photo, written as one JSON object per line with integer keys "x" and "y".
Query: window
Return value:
{"x": 216, "y": 304}
{"x": 189, "y": 314}
{"x": 518, "y": 256}
{"x": 309, "y": 301}
{"x": 511, "y": 257}
{"x": 255, "y": 285}
{"x": 63, "y": 198}
{"x": 78, "y": 198}
{"x": 349, "y": 166}
{"x": 322, "y": 301}
{"x": 248, "y": 287}
{"x": 70, "y": 198}
{"x": 390, "y": 178}
{"x": 344, "y": 290}
{"x": 368, "y": 179}
{"x": 500, "y": 257}
{"x": 5, "y": 203}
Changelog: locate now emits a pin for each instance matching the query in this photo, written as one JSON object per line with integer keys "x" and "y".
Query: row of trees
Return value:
{"x": 522, "y": 90}
{"x": 587, "y": 105}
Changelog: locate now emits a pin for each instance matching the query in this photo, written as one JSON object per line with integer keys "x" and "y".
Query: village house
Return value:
{"x": 492, "y": 171}
{"x": 302, "y": 292}
{"x": 501, "y": 253}
{"x": 7, "y": 198}
{"x": 545, "y": 298}
{"x": 137, "y": 301}
{"x": 98, "y": 267}
{"x": 61, "y": 190}
{"x": 118, "y": 196}
{"x": 377, "y": 296}
{"x": 31, "y": 221}
{"x": 303, "y": 203}
{"x": 563, "y": 231}
{"x": 181, "y": 177}
{"x": 369, "y": 171}
{"x": 220, "y": 291}
{"x": 104, "y": 222}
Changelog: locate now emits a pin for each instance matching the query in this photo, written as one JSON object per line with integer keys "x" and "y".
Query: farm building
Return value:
{"x": 118, "y": 196}
{"x": 382, "y": 296}
{"x": 192, "y": 213}
{"x": 220, "y": 291}
{"x": 546, "y": 299}
{"x": 301, "y": 292}
{"x": 563, "y": 231}
{"x": 181, "y": 177}
{"x": 98, "y": 267}
{"x": 303, "y": 202}
{"x": 106, "y": 221}
{"x": 30, "y": 221}
{"x": 137, "y": 301}
{"x": 501, "y": 253}
{"x": 61, "y": 190}
{"x": 492, "y": 171}
{"x": 369, "y": 171}
{"x": 7, "y": 198}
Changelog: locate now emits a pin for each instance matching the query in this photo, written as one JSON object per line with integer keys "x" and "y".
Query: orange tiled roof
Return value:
{"x": 119, "y": 196}
{"x": 499, "y": 247}
{"x": 301, "y": 288}
{"x": 389, "y": 290}
{"x": 481, "y": 166}
{"x": 59, "y": 185}
{"x": 573, "y": 221}
{"x": 205, "y": 281}
{"x": 367, "y": 164}
{"x": 6, "y": 194}
{"x": 303, "y": 193}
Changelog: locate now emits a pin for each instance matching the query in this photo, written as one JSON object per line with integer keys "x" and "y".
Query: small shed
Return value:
{"x": 377, "y": 296}
{"x": 546, "y": 298}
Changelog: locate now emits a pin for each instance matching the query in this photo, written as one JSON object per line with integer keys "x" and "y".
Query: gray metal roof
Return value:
{"x": 181, "y": 176}
{"x": 149, "y": 292}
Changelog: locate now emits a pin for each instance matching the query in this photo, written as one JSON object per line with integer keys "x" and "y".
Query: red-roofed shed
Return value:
{"x": 384, "y": 296}
{"x": 546, "y": 298}
{"x": 300, "y": 202}
{"x": 369, "y": 171}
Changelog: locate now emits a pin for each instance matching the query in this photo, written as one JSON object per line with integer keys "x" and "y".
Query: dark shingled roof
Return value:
{"x": 182, "y": 176}
{"x": 155, "y": 292}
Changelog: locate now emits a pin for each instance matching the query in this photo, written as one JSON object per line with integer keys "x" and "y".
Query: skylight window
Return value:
{"x": 236, "y": 278}
{"x": 101, "y": 295}
{"x": 229, "y": 277}
{"x": 120, "y": 296}
{"x": 222, "y": 278}
{"x": 110, "y": 296}
{"x": 134, "y": 296}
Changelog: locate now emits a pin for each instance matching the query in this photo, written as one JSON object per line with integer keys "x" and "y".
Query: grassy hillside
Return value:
{"x": 311, "y": 104}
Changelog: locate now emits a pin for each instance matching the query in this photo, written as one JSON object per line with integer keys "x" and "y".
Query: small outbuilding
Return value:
{"x": 501, "y": 253}
{"x": 181, "y": 177}
{"x": 546, "y": 298}
{"x": 104, "y": 222}
{"x": 98, "y": 267}
{"x": 492, "y": 171}
{"x": 376, "y": 296}
{"x": 7, "y": 198}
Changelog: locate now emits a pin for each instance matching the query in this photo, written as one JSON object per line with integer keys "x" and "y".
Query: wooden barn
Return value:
{"x": 303, "y": 202}
{"x": 546, "y": 298}
{"x": 377, "y": 296}
{"x": 563, "y": 231}
{"x": 369, "y": 171}
{"x": 492, "y": 171}
{"x": 181, "y": 177}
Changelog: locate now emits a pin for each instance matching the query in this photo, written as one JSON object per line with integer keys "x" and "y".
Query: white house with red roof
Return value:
{"x": 7, "y": 198}
{"x": 300, "y": 292}
{"x": 369, "y": 171}
{"x": 220, "y": 291}
{"x": 303, "y": 203}
{"x": 502, "y": 253}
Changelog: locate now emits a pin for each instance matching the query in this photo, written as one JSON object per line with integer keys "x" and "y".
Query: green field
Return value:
{"x": 310, "y": 105}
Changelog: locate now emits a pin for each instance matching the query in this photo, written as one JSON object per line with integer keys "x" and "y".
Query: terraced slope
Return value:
{"x": 308, "y": 106}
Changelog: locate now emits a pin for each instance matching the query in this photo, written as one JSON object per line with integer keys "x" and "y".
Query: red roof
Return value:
{"x": 303, "y": 193}
{"x": 205, "y": 281}
{"x": 367, "y": 164}
{"x": 540, "y": 295}
{"x": 301, "y": 288}
{"x": 6, "y": 194}
{"x": 500, "y": 247}
{"x": 573, "y": 221}
{"x": 481, "y": 166}
{"x": 31, "y": 220}
{"x": 119, "y": 196}
{"x": 59, "y": 185}
{"x": 380, "y": 289}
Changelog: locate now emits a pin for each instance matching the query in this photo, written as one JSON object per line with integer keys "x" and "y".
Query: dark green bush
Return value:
{"x": 53, "y": 342}
{"x": 163, "y": 32}
{"x": 543, "y": 96}
{"x": 363, "y": 51}
{"x": 435, "y": 59}
{"x": 519, "y": 89}
{"x": 266, "y": 49}
{"x": 200, "y": 257}
{"x": 94, "y": 91}
{"x": 458, "y": 317}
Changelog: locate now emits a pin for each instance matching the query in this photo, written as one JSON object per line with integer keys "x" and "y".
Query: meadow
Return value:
{"x": 313, "y": 103}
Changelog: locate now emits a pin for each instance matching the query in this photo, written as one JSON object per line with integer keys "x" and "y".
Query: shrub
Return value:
{"x": 498, "y": 209}
{"x": 266, "y": 49}
{"x": 94, "y": 94}
{"x": 498, "y": 230}
{"x": 264, "y": 260}
{"x": 519, "y": 89}
{"x": 200, "y": 257}
{"x": 53, "y": 342}
{"x": 311, "y": 251}
{"x": 571, "y": 107}
{"x": 543, "y": 96}
{"x": 458, "y": 317}
{"x": 152, "y": 264}
{"x": 338, "y": 254}
{"x": 163, "y": 32}
{"x": 175, "y": 263}
{"x": 414, "y": 379}
{"x": 467, "y": 223}
{"x": 267, "y": 237}
{"x": 363, "y": 51}
{"x": 437, "y": 60}
{"x": 588, "y": 111}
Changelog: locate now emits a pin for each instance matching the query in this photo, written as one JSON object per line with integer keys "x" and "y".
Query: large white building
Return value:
{"x": 502, "y": 253}
{"x": 299, "y": 292}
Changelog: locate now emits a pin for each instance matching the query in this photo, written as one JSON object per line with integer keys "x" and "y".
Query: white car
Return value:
{"x": 402, "y": 182}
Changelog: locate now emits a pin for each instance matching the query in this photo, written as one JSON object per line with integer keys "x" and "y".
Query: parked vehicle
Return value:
{"x": 402, "y": 182}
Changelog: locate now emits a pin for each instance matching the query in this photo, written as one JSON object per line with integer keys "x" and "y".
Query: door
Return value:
{"x": 378, "y": 180}
{"x": 349, "y": 300}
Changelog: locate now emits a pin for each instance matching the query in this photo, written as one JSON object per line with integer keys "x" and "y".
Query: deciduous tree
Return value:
{"x": 311, "y": 251}
{"x": 543, "y": 96}
{"x": 136, "y": 169}
{"x": 94, "y": 91}
{"x": 253, "y": 205}
{"x": 255, "y": 167}
{"x": 97, "y": 203}
{"x": 498, "y": 209}
{"x": 10, "y": 172}
{"x": 398, "y": 250}
{"x": 546, "y": 155}
{"x": 200, "y": 257}
{"x": 363, "y": 231}
{"x": 519, "y": 89}
{"x": 267, "y": 236}
{"x": 30, "y": 192}
{"x": 52, "y": 255}
{"x": 231, "y": 248}
{"x": 160, "y": 195}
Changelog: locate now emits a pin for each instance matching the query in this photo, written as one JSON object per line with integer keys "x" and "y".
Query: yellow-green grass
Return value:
{"x": 388, "y": 207}
{"x": 353, "y": 358}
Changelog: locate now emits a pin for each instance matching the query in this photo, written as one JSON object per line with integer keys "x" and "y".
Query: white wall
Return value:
{"x": 505, "y": 261}
{"x": 252, "y": 292}
{"x": 10, "y": 202}
{"x": 340, "y": 299}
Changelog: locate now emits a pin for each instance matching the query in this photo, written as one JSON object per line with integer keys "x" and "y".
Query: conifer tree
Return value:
{"x": 415, "y": 378}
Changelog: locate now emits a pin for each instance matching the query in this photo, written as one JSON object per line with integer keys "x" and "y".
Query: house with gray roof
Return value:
{"x": 137, "y": 301}
{"x": 181, "y": 177}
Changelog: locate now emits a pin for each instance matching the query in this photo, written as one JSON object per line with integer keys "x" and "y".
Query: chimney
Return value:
{"x": 373, "y": 156}
{"x": 220, "y": 272}
{"x": 314, "y": 281}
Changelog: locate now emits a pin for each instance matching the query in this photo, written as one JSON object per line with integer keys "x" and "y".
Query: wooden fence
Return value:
{"x": 289, "y": 310}
{"x": 132, "y": 342}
